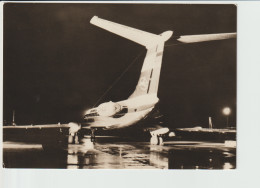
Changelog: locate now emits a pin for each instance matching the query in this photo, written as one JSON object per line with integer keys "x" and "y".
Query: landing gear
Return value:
{"x": 92, "y": 136}
{"x": 157, "y": 136}
{"x": 89, "y": 140}
{"x": 73, "y": 138}
{"x": 160, "y": 139}
{"x": 73, "y": 133}
{"x": 156, "y": 140}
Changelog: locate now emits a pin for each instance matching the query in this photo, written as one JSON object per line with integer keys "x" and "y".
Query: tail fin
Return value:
{"x": 150, "y": 73}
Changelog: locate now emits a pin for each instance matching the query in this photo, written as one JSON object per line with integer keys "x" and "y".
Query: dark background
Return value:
{"x": 57, "y": 65}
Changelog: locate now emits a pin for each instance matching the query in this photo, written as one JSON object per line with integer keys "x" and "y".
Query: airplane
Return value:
{"x": 125, "y": 113}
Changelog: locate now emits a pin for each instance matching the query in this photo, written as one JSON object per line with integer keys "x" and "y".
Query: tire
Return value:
{"x": 154, "y": 140}
{"x": 160, "y": 141}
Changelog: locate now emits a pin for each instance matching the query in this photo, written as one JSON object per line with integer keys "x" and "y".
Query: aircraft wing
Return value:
{"x": 49, "y": 133}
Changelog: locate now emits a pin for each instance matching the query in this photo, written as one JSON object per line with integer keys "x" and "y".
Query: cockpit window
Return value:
{"x": 91, "y": 115}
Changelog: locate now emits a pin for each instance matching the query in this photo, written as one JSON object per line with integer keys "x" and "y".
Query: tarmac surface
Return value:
{"x": 123, "y": 155}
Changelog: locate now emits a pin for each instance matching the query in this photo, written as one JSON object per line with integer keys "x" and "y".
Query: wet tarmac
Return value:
{"x": 122, "y": 155}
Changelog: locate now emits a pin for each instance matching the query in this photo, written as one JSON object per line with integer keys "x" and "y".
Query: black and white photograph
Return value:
{"x": 119, "y": 86}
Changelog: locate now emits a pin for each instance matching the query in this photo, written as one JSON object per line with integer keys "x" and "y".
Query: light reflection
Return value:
{"x": 87, "y": 143}
{"x": 228, "y": 165}
{"x": 122, "y": 155}
{"x": 230, "y": 143}
{"x": 120, "y": 152}
{"x": 72, "y": 167}
{"x": 87, "y": 161}
{"x": 158, "y": 160}
{"x": 72, "y": 161}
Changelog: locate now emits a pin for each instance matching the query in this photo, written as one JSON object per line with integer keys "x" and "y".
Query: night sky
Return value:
{"x": 57, "y": 65}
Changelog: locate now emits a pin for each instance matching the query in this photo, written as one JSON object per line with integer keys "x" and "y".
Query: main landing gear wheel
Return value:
{"x": 157, "y": 136}
{"x": 73, "y": 133}
{"x": 73, "y": 139}
{"x": 160, "y": 141}
{"x": 92, "y": 137}
{"x": 156, "y": 140}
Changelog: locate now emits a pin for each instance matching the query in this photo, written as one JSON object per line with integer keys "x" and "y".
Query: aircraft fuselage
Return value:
{"x": 121, "y": 114}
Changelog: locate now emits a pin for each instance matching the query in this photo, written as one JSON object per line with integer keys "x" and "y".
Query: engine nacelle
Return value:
{"x": 108, "y": 109}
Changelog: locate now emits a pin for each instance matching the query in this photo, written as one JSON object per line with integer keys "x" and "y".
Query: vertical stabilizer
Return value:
{"x": 150, "y": 73}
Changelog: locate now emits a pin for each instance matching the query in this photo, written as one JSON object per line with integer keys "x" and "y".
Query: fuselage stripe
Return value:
{"x": 159, "y": 54}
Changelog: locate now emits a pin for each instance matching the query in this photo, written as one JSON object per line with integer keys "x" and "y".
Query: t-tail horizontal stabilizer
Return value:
{"x": 141, "y": 37}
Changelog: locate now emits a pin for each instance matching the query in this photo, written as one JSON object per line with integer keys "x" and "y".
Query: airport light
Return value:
{"x": 226, "y": 111}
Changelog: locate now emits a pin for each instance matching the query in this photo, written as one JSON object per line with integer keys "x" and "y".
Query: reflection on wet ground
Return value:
{"x": 123, "y": 155}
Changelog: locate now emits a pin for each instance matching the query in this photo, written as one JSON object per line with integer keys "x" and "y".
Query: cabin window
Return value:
{"x": 121, "y": 113}
{"x": 91, "y": 115}
{"x": 89, "y": 120}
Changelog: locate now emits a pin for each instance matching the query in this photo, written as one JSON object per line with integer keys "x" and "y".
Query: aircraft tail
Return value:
{"x": 149, "y": 78}
{"x": 141, "y": 37}
{"x": 150, "y": 73}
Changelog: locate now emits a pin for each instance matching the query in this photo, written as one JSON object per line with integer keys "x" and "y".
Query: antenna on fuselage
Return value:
{"x": 118, "y": 78}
